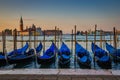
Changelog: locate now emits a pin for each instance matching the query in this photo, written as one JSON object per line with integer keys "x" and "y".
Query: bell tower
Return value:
{"x": 21, "y": 24}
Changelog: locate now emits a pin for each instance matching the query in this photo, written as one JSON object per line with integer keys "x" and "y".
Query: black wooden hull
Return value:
{"x": 84, "y": 64}
{"x": 105, "y": 65}
{"x": 3, "y": 62}
{"x": 21, "y": 60}
{"x": 64, "y": 62}
{"x": 46, "y": 60}
{"x": 115, "y": 58}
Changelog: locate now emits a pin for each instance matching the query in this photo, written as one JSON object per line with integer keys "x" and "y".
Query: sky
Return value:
{"x": 61, "y": 13}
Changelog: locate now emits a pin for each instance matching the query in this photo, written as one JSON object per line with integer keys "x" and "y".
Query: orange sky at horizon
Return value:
{"x": 65, "y": 26}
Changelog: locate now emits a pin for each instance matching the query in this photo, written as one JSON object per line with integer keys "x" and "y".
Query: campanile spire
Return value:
{"x": 21, "y": 24}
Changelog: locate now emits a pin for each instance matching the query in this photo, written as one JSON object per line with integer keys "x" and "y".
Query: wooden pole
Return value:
{"x": 75, "y": 57}
{"x": 114, "y": 37}
{"x": 72, "y": 42}
{"x": 95, "y": 43}
{"x": 101, "y": 38}
{"x": 115, "y": 41}
{"x": 29, "y": 38}
{"x": 35, "y": 48}
{"x": 117, "y": 38}
{"x": 55, "y": 34}
{"x": 44, "y": 42}
{"x": 104, "y": 39}
{"x": 15, "y": 39}
{"x": 3, "y": 40}
{"x": 35, "y": 38}
{"x": 58, "y": 37}
{"x": 4, "y": 45}
{"x": 86, "y": 40}
{"x": 21, "y": 40}
{"x": 110, "y": 38}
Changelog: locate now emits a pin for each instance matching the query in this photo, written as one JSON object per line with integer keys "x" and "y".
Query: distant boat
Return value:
{"x": 64, "y": 55}
{"x": 48, "y": 56}
{"x": 83, "y": 56}
{"x": 101, "y": 56}
{"x": 115, "y": 53}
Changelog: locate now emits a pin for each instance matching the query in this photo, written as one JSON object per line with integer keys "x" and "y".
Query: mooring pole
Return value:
{"x": 21, "y": 40}
{"x": 29, "y": 38}
{"x": 104, "y": 39}
{"x": 101, "y": 38}
{"x": 72, "y": 43}
{"x": 35, "y": 38}
{"x": 15, "y": 39}
{"x": 58, "y": 37}
{"x": 110, "y": 38}
{"x": 95, "y": 44}
{"x": 3, "y": 40}
{"x": 75, "y": 57}
{"x": 35, "y": 48}
{"x": 55, "y": 34}
{"x": 4, "y": 45}
{"x": 44, "y": 42}
{"x": 115, "y": 41}
{"x": 117, "y": 38}
{"x": 86, "y": 40}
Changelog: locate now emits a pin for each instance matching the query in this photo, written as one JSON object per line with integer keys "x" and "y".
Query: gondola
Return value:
{"x": 114, "y": 53}
{"x": 4, "y": 58}
{"x": 19, "y": 51}
{"x": 48, "y": 56}
{"x": 21, "y": 56}
{"x": 83, "y": 56}
{"x": 64, "y": 55}
{"x": 101, "y": 56}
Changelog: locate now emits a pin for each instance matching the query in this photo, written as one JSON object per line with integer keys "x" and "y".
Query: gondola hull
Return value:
{"x": 3, "y": 62}
{"x": 48, "y": 56}
{"x": 83, "y": 56}
{"x": 104, "y": 64}
{"x": 64, "y": 56}
{"x": 2, "y": 59}
{"x": 115, "y": 58}
{"x": 101, "y": 57}
{"x": 84, "y": 64}
{"x": 26, "y": 57}
{"x": 64, "y": 62}
{"x": 46, "y": 60}
{"x": 114, "y": 53}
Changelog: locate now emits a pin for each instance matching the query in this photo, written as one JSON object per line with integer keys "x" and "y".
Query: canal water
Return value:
{"x": 65, "y": 38}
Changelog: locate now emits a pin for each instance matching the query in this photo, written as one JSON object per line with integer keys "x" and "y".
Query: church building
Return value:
{"x": 33, "y": 29}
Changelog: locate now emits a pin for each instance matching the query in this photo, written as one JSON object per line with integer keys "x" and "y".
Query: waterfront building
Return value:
{"x": 33, "y": 29}
{"x": 52, "y": 32}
